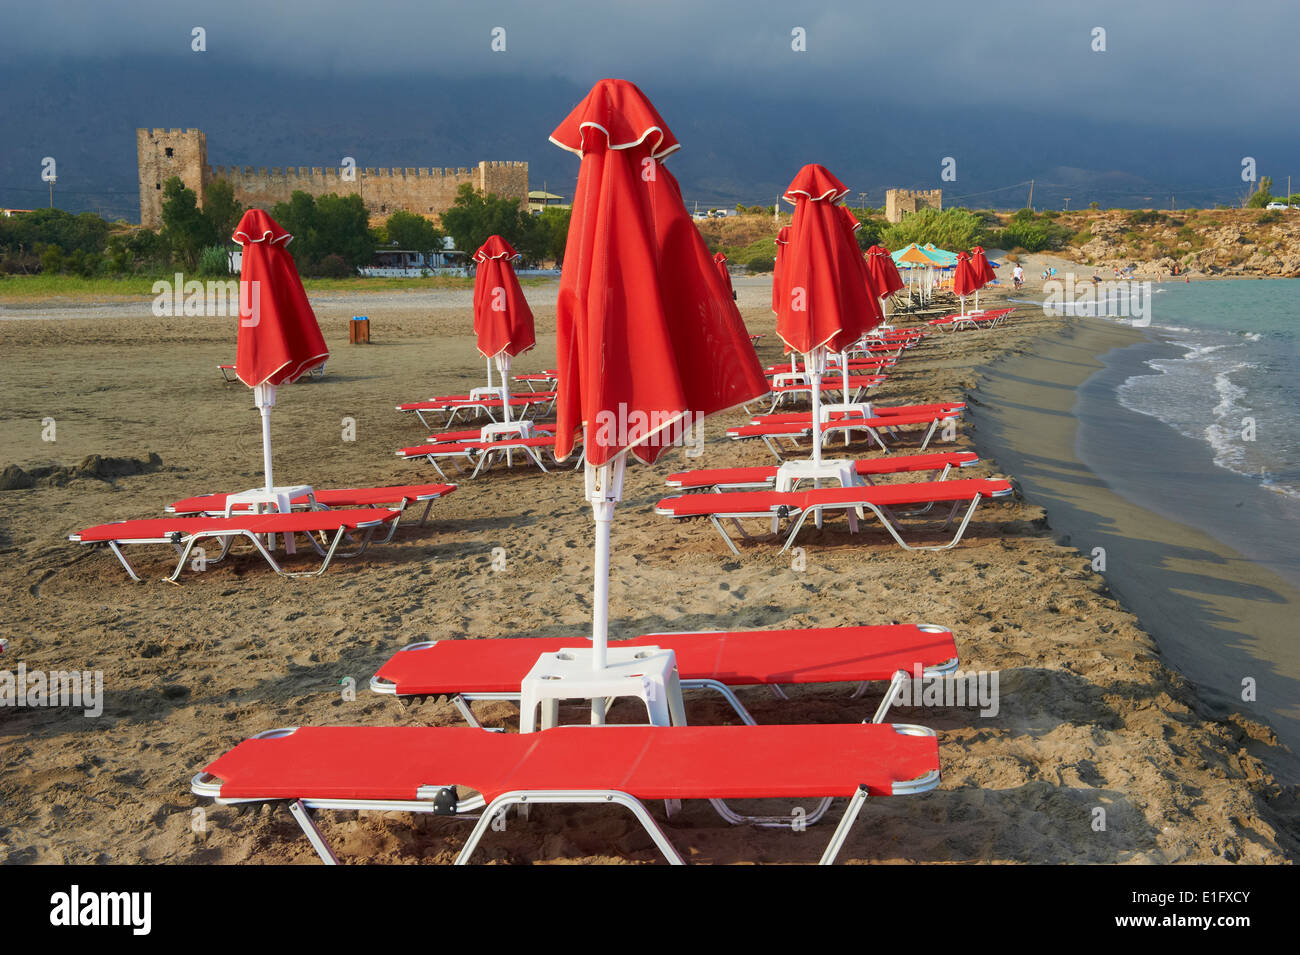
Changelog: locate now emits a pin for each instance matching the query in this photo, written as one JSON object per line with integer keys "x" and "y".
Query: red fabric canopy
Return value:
{"x": 646, "y": 331}
{"x": 279, "y": 338}
{"x": 884, "y": 273}
{"x": 782, "y": 240}
{"x": 877, "y": 312}
{"x": 720, "y": 260}
{"x": 964, "y": 281}
{"x": 503, "y": 322}
{"x": 979, "y": 262}
{"x": 824, "y": 294}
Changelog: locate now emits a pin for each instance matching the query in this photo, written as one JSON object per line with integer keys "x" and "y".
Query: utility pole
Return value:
{"x": 53, "y": 179}
{"x": 1067, "y": 203}
{"x": 1031, "y": 195}
{"x": 776, "y": 211}
{"x": 863, "y": 196}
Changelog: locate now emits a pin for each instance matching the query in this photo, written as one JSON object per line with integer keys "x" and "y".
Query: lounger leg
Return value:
{"x": 803, "y": 515}
{"x": 726, "y": 693}
{"x": 124, "y": 562}
{"x": 934, "y": 425}
{"x": 308, "y": 826}
{"x": 569, "y": 797}
{"x": 725, "y": 536}
{"x": 891, "y": 694}
{"x": 185, "y": 556}
{"x": 846, "y": 824}
{"x": 434, "y": 462}
{"x": 771, "y": 822}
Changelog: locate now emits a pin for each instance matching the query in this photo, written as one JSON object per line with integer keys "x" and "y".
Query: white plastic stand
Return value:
{"x": 264, "y": 499}
{"x": 647, "y": 673}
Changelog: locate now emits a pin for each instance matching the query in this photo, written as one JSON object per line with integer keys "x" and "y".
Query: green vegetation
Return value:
{"x": 329, "y": 226}
{"x": 951, "y": 229}
{"x": 1032, "y": 233}
{"x": 1269, "y": 218}
{"x": 214, "y": 262}
{"x": 406, "y": 230}
{"x": 1263, "y": 195}
{"x": 473, "y": 217}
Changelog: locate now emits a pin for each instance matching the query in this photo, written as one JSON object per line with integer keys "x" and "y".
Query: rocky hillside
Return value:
{"x": 1204, "y": 242}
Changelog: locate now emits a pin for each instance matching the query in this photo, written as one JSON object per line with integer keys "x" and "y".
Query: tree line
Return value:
{"x": 332, "y": 234}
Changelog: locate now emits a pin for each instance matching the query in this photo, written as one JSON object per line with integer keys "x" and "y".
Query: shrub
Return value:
{"x": 1269, "y": 217}
{"x": 1144, "y": 217}
{"x": 761, "y": 264}
{"x": 951, "y": 229}
{"x": 333, "y": 267}
{"x": 214, "y": 262}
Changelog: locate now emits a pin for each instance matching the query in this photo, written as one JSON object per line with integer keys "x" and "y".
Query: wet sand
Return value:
{"x": 1223, "y": 620}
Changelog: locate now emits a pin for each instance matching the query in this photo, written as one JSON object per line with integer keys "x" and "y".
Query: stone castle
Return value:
{"x": 163, "y": 153}
{"x": 901, "y": 202}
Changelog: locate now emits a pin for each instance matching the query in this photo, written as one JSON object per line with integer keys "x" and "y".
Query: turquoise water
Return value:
{"x": 1236, "y": 384}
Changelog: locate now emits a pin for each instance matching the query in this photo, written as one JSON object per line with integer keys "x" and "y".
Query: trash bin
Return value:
{"x": 359, "y": 330}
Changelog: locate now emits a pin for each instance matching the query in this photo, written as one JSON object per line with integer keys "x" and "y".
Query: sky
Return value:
{"x": 1179, "y": 94}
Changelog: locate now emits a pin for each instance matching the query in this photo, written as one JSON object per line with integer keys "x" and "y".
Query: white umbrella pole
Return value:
{"x": 963, "y": 303}
{"x": 604, "y": 489}
{"x": 815, "y": 376}
{"x": 489, "y": 369}
{"x": 503, "y": 365}
{"x": 264, "y": 398}
{"x": 977, "y": 300}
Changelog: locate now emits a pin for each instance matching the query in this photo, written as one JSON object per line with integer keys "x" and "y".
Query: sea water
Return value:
{"x": 1235, "y": 385}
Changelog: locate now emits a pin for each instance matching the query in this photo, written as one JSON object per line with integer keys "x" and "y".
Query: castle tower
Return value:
{"x": 902, "y": 202}
{"x": 162, "y": 154}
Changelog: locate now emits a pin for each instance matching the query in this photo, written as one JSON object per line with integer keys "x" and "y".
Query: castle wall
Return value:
{"x": 421, "y": 190}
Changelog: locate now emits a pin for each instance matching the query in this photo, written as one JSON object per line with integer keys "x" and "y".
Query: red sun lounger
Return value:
{"x": 482, "y": 453}
{"x": 183, "y": 532}
{"x": 228, "y": 372}
{"x": 724, "y": 479}
{"x": 863, "y": 410}
{"x": 469, "y": 670}
{"x": 883, "y": 500}
{"x": 453, "y": 405}
{"x": 876, "y": 428}
{"x": 981, "y": 319}
{"x": 418, "y": 769}
{"x": 547, "y": 379}
{"x": 397, "y": 498}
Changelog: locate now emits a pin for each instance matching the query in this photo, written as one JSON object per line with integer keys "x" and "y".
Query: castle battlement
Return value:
{"x": 425, "y": 190}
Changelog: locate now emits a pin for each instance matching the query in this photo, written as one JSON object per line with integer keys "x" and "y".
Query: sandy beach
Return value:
{"x": 1092, "y": 714}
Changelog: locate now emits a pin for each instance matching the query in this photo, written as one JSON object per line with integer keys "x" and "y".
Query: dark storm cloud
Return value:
{"x": 1171, "y": 63}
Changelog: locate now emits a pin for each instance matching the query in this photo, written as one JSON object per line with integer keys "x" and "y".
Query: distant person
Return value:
{"x": 1018, "y": 276}
{"x": 1096, "y": 278}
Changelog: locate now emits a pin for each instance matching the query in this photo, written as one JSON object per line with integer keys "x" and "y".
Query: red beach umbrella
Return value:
{"x": 279, "y": 338}
{"x": 884, "y": 273}
{"x": 825, "y": 301}
{"x": 720, "y": 260}
{"x": 647, "y": 338}
{"x": 782, "y": 240}
{"x": 503, "y": 322}
{"x": 984, "y": 273}
{"x": 964, "y": 281}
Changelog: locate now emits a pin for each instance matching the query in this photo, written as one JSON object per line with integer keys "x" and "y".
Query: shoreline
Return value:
{"x": 1051, "y": 418}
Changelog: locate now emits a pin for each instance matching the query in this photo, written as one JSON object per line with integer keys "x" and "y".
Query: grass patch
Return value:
{"x": 33, "y": 287}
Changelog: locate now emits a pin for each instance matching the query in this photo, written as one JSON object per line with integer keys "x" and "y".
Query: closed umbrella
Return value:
{"x": 279, "y": 338}
{"x": 964, "y": 280}
{"x": 647, "y": 338}
{"x": 825, "y": 301}
{"x": 983, "y": 270}
{"x": 503, "y": 322}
